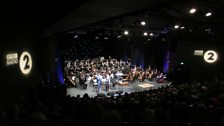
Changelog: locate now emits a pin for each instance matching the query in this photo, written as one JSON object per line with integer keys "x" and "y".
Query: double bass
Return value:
{"x": 148, "y": 74}
{"x": 130, "y": 77}
{"x": 141, "y": 76}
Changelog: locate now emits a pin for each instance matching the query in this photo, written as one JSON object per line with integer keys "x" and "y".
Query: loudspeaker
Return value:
{"x": 110, "y": 93}
{"x": 119, "y": 92}
{"x": 100, "y": 94}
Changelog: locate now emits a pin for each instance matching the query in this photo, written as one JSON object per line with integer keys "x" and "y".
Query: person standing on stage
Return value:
{"x": 99, "y": 82}
{"x": 107, "y": 81}
{"x": 82, "y": 79}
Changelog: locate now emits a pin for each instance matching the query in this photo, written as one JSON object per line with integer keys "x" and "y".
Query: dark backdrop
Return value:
{"x": 198, "y": 68}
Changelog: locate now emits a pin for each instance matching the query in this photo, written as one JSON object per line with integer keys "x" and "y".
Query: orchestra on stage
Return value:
{"x": 101, "y": 72}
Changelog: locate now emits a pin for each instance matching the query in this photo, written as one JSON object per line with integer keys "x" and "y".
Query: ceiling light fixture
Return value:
{"x": 126, "y": 32}
{"x": 76, "y": 36}
{"x": 119, "y": 36}
{"x": 143, "y": 23}
{"x": 208, "y": 14}
{"x": 192, "y": 10}
{"x": 176, "y": 26}
{"x": 145, "y": 33}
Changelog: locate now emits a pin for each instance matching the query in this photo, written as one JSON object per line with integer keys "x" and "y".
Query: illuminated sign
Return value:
{"x": 210, "y": 56}
{"x": 25, "y": 63}
{"x": 198, "y": 52}
{"x": 11, "y": 59}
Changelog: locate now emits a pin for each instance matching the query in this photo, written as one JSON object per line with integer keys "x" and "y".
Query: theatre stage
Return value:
{"x": 131, "y": 87}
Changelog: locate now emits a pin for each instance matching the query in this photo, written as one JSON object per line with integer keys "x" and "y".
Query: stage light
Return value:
{"x": 105, "y": 37}
{"x": 192, "y": 10}
{"x": 76, "y": 36}
{"x": 209, "y": 30}
{"x": 151, "y": 34}
{"x": 96, "y": 37}
{"x": 126, "y": 32}
{"x": 119, "y": 36}
{"x": 182, "y": 63}
{"x": 145, "y": 33}
{"x": 176, "y": 26}
{"x": 182, "y": 27}
{"x": 208, "y": 14}
{"x": 143, "y": 23}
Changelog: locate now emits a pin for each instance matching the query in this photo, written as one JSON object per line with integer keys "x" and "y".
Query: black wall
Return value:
{"x": 13, "y": 84}
{"x": 198, "y": 68}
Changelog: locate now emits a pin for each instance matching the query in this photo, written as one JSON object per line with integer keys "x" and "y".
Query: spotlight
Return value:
{"x": 145, "y": 33}
{"x": 182, "y": 63}
{"x": 143, "y": 23}
{"x": 176, "y": 26}
{"x": 182, "y": 27}
{"x": 76, "y": 36}
{"x": 192, "y": 10}
{"x": 151, "y": 34}
{"x": 208, "y": 14}
{"x": 209, "y": 30}
{"x": 96, "y": 37}
{"x": 119, "y": 36}
{"x": 126, "y": 32}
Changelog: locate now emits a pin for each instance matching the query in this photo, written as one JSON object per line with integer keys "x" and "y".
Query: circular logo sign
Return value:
{"x": 210, "y": 56}
{"x": 25, "y": 63}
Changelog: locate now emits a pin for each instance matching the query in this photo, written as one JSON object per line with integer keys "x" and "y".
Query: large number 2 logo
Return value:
{"x": 25, "y": 63}
{"x": 26, "y": 59}
{"x": 210, "y": 56}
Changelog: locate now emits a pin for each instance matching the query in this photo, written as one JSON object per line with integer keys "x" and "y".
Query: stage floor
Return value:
{"x": 132, "y": 87}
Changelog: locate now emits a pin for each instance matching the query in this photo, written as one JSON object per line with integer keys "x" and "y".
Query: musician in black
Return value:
{"x": 82, "y": 80}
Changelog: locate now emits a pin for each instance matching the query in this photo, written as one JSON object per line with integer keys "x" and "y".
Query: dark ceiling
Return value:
{"x": 18, "y": 16}
{"x": 57, "y": 16}
{"x": 162, "y": 17}
{"x": 94, "y": 11}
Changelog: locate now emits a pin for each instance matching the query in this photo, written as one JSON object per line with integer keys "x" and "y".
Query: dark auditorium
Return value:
{"x": 120, "y": 62}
